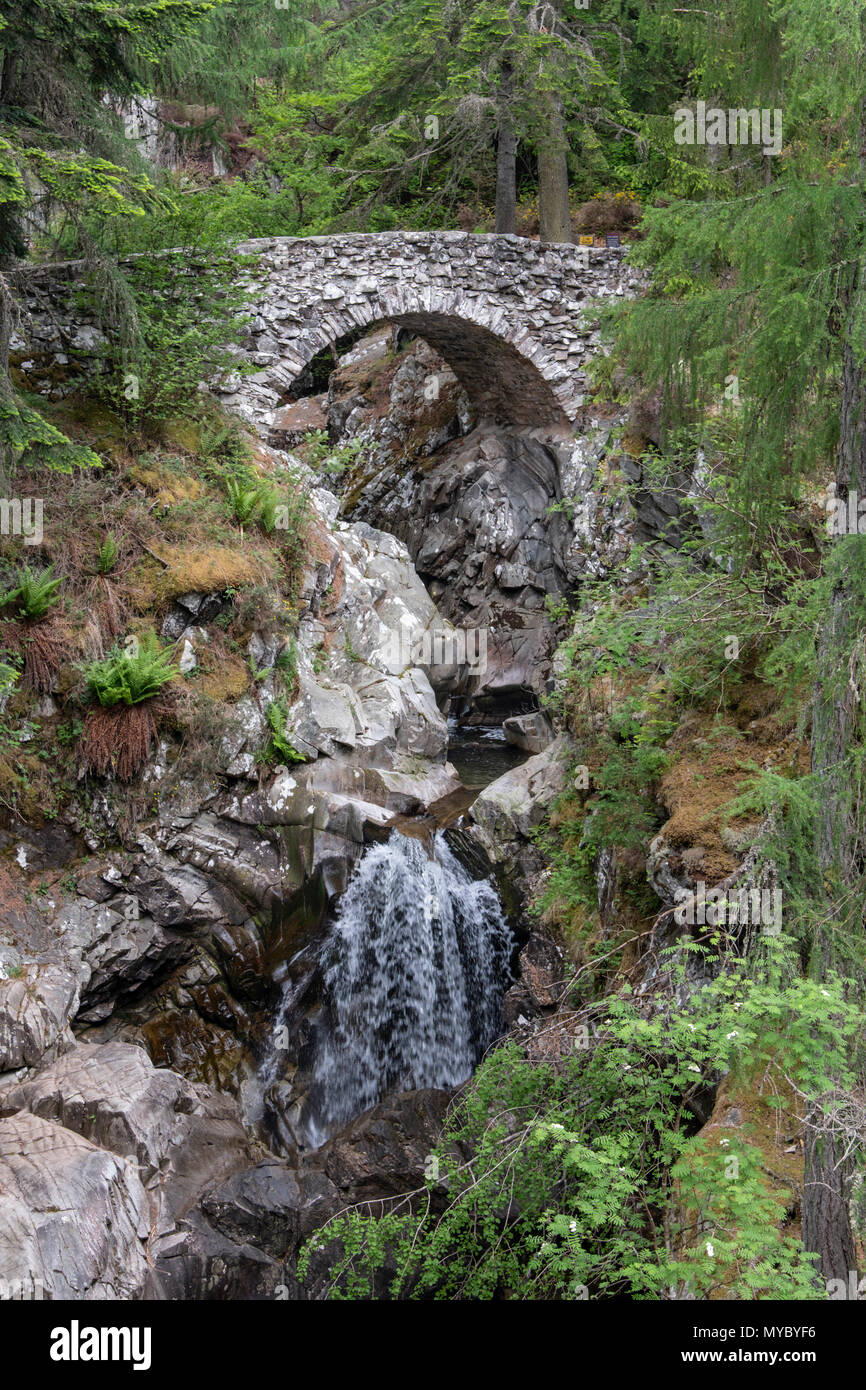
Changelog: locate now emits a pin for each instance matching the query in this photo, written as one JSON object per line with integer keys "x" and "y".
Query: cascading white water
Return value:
{"x": 414, "y": 971}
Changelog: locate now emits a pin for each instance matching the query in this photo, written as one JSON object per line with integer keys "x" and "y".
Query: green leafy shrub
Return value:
{"x": 585, "y": 1177}
{"x": 35, "y": 593}
{"x": 129, "y": 677}
{"x": 319, "y": 454}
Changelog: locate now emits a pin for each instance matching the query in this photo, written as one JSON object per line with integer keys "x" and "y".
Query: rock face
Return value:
{"x": 73, "y": 1216}
{"x": 386, "y": 1150}
{"x": 35, "y": 1008}
{"x": 498, "y": 521}
{"x": 126, "y": 1147}
{"x": 243, "y": 1238}
{"x": 475, "y": 520}
{"x": 182, "y": 1138}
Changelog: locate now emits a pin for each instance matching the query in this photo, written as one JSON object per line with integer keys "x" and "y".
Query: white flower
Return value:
{"x": 572, "y": 1226}
{"x": 710, "y": 1251}
{"x": 735, "y": 1034}
{"x": 557, "y": 1126}
{"x": 692, "y": 1067}
{"x": 724, "y": 1142}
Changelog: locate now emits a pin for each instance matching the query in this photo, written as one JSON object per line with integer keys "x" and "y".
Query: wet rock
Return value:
{"x": 113, "y": 949}
{"x": 531, "y": 732}
{"x": 272, "y": 1206}
{"x": 197, "y": 1263}
{"x": 385, "y": 1151}
{"x": 243, "y": 1239}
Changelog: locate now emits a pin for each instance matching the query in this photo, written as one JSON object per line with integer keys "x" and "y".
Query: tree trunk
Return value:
{"x": 506, "y": 157}
{"x": 7, "y": 323}
{"x": 838, "y": 731}
{"x": 826, "y": 1222}
{"x": 554, "y": 212}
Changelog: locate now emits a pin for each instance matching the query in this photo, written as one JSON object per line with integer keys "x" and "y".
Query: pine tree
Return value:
{"x": 760, "y": 278}
{"x": 59, "y": 59}
{"x": 413, "y": 105}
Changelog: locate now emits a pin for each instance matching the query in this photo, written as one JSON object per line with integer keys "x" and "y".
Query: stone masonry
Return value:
{"x": 514, "y": 319}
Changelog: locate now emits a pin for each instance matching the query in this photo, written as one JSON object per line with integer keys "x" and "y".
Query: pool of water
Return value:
{"x": 480, "y": 754}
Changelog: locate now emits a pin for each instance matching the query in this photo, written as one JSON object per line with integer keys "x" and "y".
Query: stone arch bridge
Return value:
{"x": 514, "y": 319}
{"x": 505, "y": 313}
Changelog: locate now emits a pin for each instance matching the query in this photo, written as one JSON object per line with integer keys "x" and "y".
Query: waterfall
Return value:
{"x": 415, "y": 968}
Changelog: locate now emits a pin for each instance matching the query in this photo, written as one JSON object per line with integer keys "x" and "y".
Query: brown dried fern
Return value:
{"x": 118, "y": 740}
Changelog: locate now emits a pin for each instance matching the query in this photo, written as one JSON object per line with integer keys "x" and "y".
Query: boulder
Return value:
{"x": 531, "y": 732}
{"x": 386, "y": 1150}
{"x": 513, "y": 805}
{"x": 74, "y": 1217}
{"x": 272, "y": 1206}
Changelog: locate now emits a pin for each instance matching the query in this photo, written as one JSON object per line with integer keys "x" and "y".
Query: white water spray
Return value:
{"x": 414, "y": 970}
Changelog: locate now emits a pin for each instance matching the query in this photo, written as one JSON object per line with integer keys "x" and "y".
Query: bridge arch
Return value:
{"x": 505, "y": 313}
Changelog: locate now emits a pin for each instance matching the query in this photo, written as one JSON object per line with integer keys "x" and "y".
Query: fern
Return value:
{"x": 107, "y": 555}
{"x": 244, "y": 500}
{"x": 279, "y": 747}
{"x": 125, "y": 677}
{"x": 35, "y": 594}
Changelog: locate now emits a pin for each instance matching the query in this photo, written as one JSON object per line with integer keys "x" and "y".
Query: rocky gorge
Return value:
{"x": 174, "y": 1123}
